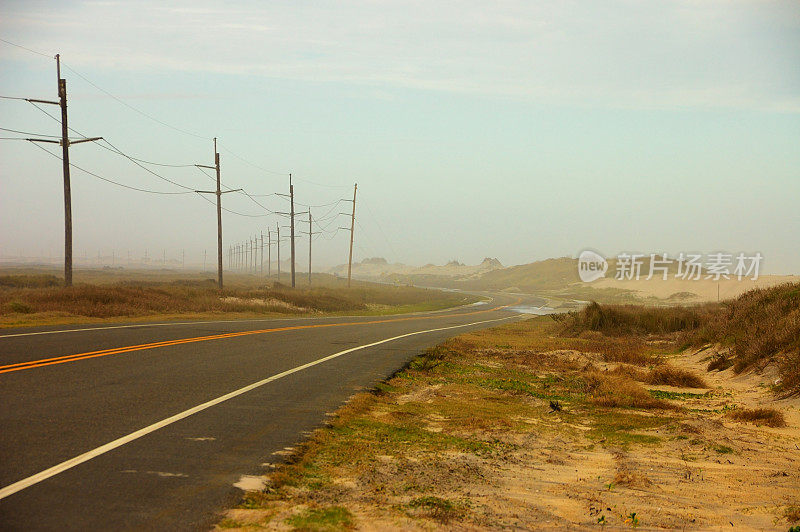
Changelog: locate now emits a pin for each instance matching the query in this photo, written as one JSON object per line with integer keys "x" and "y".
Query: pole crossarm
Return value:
{"x": 34, "y": 100}
{"x": 69, "y": 142}
{"x": 214, "y": 191}
{"x": 92, "y": 139}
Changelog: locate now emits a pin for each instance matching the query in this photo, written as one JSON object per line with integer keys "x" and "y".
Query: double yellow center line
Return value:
{"x": 127, "y": 349}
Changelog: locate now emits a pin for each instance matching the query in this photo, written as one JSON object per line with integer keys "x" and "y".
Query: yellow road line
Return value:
{"x": 19, "y": 366}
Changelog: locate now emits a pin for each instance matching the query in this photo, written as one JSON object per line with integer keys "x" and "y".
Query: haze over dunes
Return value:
{"x": 558, "y": 278}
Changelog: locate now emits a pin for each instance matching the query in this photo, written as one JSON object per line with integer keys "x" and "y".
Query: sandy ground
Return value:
{"x": 705, "y": 472}
{"x": 703, "y": 289}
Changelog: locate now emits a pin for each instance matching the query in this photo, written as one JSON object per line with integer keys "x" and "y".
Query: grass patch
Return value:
{"x": 442, "y": 510}
{"x": 660, "y": 394}
{"x": 759, "y": 416}
{"x": 327, "y": 519}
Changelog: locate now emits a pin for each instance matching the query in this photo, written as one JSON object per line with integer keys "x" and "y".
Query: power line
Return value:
{"x": 254, "y": 165}
{"x": 28, "y": 133}
{"x": 149, "y": 162}
{"x": 129, "y": 106}
{"x": 120, "y": 152}
{"x": 106, "y": 179}
{"x": 234, "y": 212}
{"x": 28, "y": 49}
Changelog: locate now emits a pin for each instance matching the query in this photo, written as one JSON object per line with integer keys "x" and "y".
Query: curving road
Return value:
{"x": 150, "y": 426}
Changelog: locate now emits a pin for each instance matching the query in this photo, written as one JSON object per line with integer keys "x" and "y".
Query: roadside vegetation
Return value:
{"x": 603, "y": 417}
{"x": 28, "y": 299}
{"x": 757, "y": 329}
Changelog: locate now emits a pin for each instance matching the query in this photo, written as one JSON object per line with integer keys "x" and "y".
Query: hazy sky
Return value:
{"x": 517, "y": 130}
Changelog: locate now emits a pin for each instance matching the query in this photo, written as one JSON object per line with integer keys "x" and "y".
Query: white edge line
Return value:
{"x": 206, "y": 322}
{"x": 85, "y": 457}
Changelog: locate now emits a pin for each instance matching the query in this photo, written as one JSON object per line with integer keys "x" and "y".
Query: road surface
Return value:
{"x": 149, "y": 427}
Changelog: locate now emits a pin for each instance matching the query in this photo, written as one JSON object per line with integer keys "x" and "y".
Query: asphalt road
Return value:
{"x": 150, "y": 426}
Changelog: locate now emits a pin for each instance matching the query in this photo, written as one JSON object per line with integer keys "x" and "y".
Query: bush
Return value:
{"x": 760, "y": 416}
{"x": 620, "y": 320}
{"x": 616, "y": 391}
{"x": 21, "y": 308}
{"x": 672, "y": 376}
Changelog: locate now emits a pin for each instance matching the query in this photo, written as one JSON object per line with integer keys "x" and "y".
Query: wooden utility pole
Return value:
{"x": 62, "y": 97}
{"x": 262, "y": 253}
{"x": 311, "y": 234}
{"x": 352, "y": 229}
{"x": 291, "y": 199}
{"x": 269, "y": 253}
{"x": 219, "y": 194}
{"x": 278, "y": 244}
{"x": 65, "y": 143}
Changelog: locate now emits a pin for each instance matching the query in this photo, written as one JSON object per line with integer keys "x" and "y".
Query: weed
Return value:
{"x": 722, "y": 449}
{"x": 438, "y": 508}
{"x": 758, "y": 416}
{"x": 610, "y": 391}
{"x": 632, "y": 520}
{"x": 231, "y": 523}
{"x": 672, "y": 376}
{"x": 322, "y": 519}
{"x": 660, "y": 394}
{"x": 719, "y": 362}
{"x": 20, "y": 308}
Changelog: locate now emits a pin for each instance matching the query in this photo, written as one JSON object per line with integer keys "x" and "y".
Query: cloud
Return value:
{"x": 618, "y": 54}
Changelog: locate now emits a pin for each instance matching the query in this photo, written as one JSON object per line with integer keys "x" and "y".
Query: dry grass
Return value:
{"x": 31, "y": 295}
{"x": 759, "y": 416}
{"x": 760, "y": 327}
{"x": 620, "y": 392}
{"x": 625, "y": 320}
{"x": 672, "y": 376}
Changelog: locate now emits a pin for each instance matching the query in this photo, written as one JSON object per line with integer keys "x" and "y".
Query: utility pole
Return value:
{"x": 352, "y": 230}
{"x": 278, "y": 244}
{"x": 310, "y": 234}
{"x": 291, "y": 199}
{"x": 219, "y": 194}
{"x": 269, "y": 253}
{"x": 65, "y": 143}
{"x": 262, "y": 254}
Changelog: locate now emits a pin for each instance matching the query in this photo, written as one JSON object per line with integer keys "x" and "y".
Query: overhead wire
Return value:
{"x": 28, "y": 49}
{"x": 29, "y": 133}
{"x": 129, "y": 106}
{"x": 323, "y": 230}
{"x": 106, "y": 179}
